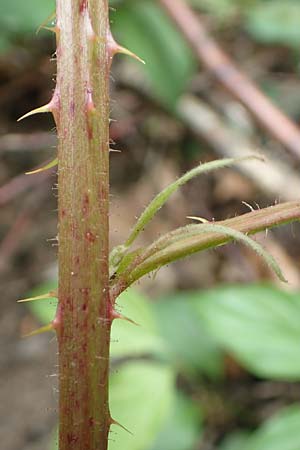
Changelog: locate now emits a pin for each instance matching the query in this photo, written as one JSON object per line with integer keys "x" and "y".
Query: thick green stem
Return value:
{"x": 84, "y": 317}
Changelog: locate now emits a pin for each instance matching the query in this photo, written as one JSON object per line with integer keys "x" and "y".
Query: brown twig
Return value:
{"x": 224, "y": 69}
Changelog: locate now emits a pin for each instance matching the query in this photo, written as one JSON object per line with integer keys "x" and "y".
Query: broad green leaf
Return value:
{"x": 135, "y": 340}
{"x": 142, "y": 26}
{"x": 141, "y": 397}
{"x": 280, "y": 432}
{"x": 275, "y": 21}
{"x": 183, "y": 428}
{"x": 190, "y": 347}
{"x": 258, "y": 324}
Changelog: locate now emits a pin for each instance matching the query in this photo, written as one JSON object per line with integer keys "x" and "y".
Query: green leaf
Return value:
{"x": 191, "y": 348}
{"x": 275, "y": 22}
{"x": 24, "y": 16}
{"x": 258, "y": 324}
{"x": 135, "y": 340}
{"x": 280, "y": 432}
{"x": 141, "y": 396}
{"x": 183, "y": 428}
{"x": 142, "y": 26}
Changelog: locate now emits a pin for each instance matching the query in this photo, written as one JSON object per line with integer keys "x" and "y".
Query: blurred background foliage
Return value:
{"x": 145, "y": 29}
{"x": 187, "y": 337}
{"x": 208, "y": 367}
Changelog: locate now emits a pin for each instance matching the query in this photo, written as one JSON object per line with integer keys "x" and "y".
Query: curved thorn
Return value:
{"x": 114, "y": 150}
{"x": 42, "y": 169}
{"x": 199, "y": 219}
{"x": 50, "y": 17}
{"x": 114, "y": 422}
{"x": 41, "y": 109}
{"x": 41, "y": 330}
{"x": 116, "y": 315}
{"x": 51, "y": 29}
{"x": 125, "y": 51}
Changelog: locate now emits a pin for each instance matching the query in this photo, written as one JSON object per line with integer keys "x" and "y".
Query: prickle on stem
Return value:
{"x": 50, "y": 294}
{"x": 116, "y": 315}
{"x": 115, "y": 48}
{"x": 47, "y": 166}
{"x": 45, "y": 329}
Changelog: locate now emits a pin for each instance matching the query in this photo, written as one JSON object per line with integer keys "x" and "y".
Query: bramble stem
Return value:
{"x": 81, "y": 109}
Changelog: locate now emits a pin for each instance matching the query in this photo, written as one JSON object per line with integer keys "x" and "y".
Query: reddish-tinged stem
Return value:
{"x": 83, "y": 322}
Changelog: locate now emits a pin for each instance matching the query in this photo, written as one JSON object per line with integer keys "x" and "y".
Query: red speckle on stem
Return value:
{"x": 91, "y": 422}
{"x": 84, "y": 350}
{"x": 90, "y": 131}
{"x": 85, "y": 205}
{"x": 67, "y": 301}
{"x": 72, "y": 108}
{"x": 90, "y": 110}
{"x": 102, "y": 192}
{"x": 72, "y": 438}
{"x": 90, "y": 237}
{"x": 85, "y": 291}
{"x": 83, "y": 6}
